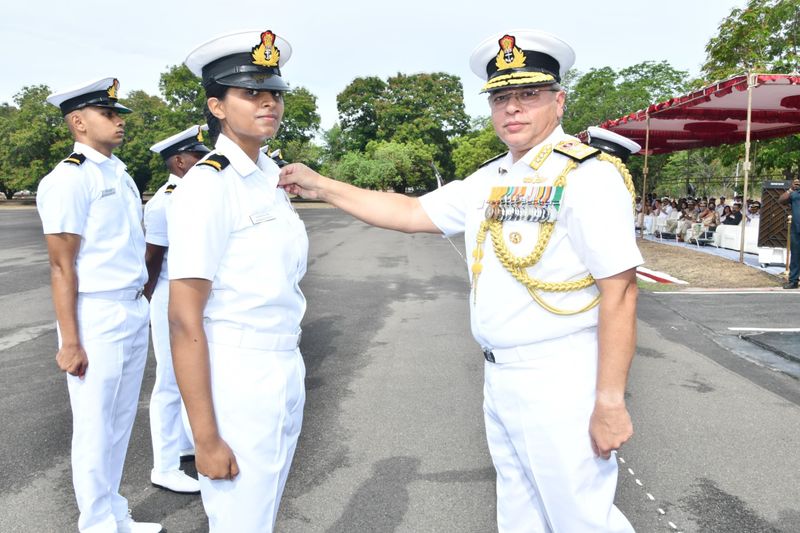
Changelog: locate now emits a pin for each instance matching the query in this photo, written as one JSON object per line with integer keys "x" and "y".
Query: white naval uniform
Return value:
{"x": 237, "y": 229}
{"x": 540, "y": 392}
{"x": 168, "y": 430}
{"x": 99, "y": 201}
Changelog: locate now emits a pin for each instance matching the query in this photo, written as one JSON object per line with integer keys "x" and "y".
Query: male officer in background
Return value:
{"x": 171, "y": 436}
{"x": 792, "y": 199}
{"x": 553, "y": 299}
{"x": 92, "y": 219}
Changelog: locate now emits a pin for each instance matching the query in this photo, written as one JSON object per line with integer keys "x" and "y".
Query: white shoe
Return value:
{"x": 176, "y": 481}
{"x": 128, "y": 525}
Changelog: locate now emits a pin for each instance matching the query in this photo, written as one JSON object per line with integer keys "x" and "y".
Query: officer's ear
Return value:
{"x": 75, "y": 122}
{"x": 217, "y": 107}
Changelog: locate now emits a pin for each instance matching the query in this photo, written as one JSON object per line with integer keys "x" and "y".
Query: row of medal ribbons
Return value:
{"x": 528, "y": 204}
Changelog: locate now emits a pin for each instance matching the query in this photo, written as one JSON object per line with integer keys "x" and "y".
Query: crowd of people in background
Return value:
{"x": 690, "y": 219}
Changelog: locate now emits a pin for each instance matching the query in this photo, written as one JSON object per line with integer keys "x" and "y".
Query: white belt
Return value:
{"x": 251, "y": 339}
{"x": 124, "y": 294}
{"x": 533, "y": 351}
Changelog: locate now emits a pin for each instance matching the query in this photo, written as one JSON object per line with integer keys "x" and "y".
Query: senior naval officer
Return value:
{"x": 553, "y": 296}
{"x": 92, "y": 219}
{"x": 171, "y": 436}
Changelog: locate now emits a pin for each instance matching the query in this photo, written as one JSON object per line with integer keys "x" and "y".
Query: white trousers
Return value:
{"x": 169, "y": 427}
{"x": 258, "y": 400}
{"x": 537, "y": 413}
{"x": 104, "y": 403}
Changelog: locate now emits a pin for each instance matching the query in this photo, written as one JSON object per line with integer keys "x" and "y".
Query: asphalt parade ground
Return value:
{"x": 393, "y": 437}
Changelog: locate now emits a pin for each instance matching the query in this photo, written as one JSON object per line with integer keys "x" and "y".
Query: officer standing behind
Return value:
{"x": 792, "y": 199}
{"x": 553, "y": 299}
{"x": 92, "y": 219}
{"x": 171, "y": 439}
{"x": 235, "y": 302}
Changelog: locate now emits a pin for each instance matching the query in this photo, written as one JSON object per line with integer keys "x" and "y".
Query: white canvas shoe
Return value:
{"x": 176, "y": 481}
{"x": 128, "y": 525}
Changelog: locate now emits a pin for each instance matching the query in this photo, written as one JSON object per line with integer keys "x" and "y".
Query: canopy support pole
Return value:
{"x": 751, "y": 82}
{"x": 644, "y": 169}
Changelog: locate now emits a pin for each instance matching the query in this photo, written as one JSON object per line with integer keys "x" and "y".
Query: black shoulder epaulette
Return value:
{"x": 170, "y": 188}
{"x": 215, "y": 161}
{"x": 75, "y": 159}
{"x": 277, "y": 157}
{"x": 576, "y": 150}
{"x": 495, "y": 158}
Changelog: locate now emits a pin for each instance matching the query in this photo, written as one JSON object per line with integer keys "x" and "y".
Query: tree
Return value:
{"x": 300, "y": 117}
{"x": 35, "y": 139}
{"x": 358, "y": 111}
{"x": 388, "y": 165}
{"x": 148, "y": 124}
{"x": 184, "y": 96}
{"x": 475, "y": 147}
{"x": 761, "y": 38}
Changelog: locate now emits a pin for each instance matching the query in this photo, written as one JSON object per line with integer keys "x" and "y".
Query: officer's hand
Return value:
{"x": 609, "y": 428}
{"x": 300, "y": 180}
{"x": 796, "y": 184}
{"x": 72, "y": 359}
{"x": 215, "y": 460}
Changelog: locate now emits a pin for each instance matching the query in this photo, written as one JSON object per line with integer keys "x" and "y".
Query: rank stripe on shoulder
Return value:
{"x": 491, "y": 159}
{"x": 215, "y": 161}
{"x": 576, "y": 150}
{"x": 75, "y": 159}
{"x": 170, "y": 188}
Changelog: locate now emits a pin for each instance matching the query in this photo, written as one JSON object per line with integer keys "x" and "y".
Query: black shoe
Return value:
{"x": 790, "y": 285}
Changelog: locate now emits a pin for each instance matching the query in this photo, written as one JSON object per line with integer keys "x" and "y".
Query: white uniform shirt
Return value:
{"x": 235, "y": 228}
{"x": 155, "y": 221}
{"x": 503, "y": 313}
{"x": 99, "y": 201}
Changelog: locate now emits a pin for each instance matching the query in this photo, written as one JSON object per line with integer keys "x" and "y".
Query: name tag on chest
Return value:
{"x": 108, "y": 192}
{"x": 261, "y": 216}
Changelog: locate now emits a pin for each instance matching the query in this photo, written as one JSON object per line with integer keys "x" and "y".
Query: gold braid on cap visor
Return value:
{"x": 517, "y": 266}
{"x": 518, "y": 78}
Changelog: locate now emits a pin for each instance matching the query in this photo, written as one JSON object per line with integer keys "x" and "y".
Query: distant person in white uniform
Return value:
{"x": 92, "y": 219}
{"x": 171, "y": 438}
{"x": 237, "y": 254}
{"x": 553, "y": 293}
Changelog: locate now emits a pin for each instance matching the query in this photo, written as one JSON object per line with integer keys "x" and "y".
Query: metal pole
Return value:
{"x": 644, "y": 168}
{"x": 751, "y": 81}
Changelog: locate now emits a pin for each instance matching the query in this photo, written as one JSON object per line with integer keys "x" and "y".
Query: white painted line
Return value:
{"x": 621, "y": 460}
{"x": 779, "y": 330}
{"x": 650, "y": 497}
{"x": 631, "y": 472}
{"x": 724, "y": 292}
{"x": 638, "y": 482}
{"x": 673, "y": 526}
{"x": 661, "y": 511}
{"x": 24, "y": 335}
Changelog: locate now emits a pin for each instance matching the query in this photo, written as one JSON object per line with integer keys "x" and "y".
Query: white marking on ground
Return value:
{"x": 649, "y": 496}
{"x": 24, "y": 335}
{"x": 725, "y": 292}
{"x": 755, "y": 328}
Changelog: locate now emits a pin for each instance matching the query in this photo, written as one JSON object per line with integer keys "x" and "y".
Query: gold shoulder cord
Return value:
{"x": 517, "y": 266}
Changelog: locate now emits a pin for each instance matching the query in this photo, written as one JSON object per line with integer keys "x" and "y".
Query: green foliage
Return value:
{"x": 388, "y": 166}
{"x": 149, "y": 123}
{"x": 358, "y": 111}
{"x": 35, "y": 139}
{"x": 604, "y": 94}
{"x": 761, "y": 38}
{"x": 472, "y": 149}
{"x": 300, "y": 118}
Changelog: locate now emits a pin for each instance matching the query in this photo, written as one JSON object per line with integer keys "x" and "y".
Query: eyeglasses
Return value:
{"x": 524, "y": 97}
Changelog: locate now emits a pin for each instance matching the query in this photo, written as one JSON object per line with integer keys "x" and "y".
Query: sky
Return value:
{"x": 63, "y": 43}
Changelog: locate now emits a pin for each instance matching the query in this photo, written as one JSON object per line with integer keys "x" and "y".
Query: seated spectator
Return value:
{"x": 754, "y": 212}
{"x": 735, "y": 217}
{"x": 708, "y": 217}
{"x": 726, "y": 212}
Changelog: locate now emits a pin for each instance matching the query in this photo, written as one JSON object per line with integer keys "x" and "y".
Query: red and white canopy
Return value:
{"x": 717, "y": 114}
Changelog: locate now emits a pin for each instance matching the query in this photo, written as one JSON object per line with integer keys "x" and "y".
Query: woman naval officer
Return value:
{"x": 237, "y": 254}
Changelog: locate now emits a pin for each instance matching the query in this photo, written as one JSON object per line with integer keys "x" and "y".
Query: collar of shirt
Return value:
{"x": 508, "y": 161}
{"x": 245, "y": 167}
{"x": 173, "y": 179}
{"x": 96, "y": 157}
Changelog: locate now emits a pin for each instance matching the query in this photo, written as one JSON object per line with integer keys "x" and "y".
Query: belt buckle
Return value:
{"x": 488, "y": 355}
